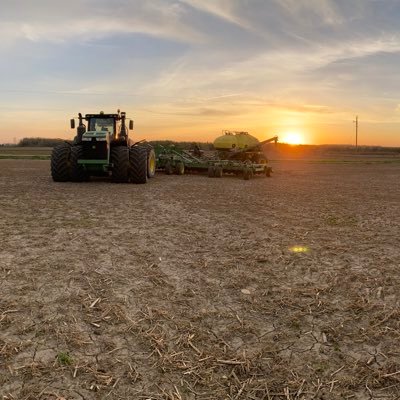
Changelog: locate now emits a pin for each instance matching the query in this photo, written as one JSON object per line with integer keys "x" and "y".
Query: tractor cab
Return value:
{"x": 102, "y": 125}
{"x": 113, "y": 124}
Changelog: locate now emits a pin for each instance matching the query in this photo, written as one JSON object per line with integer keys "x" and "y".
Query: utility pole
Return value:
{"x": 356, "y": 122}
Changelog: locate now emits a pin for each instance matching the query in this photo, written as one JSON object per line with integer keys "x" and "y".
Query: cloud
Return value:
{"x": 325, "y": 11}
{"x": 302, "y": 108}
{"x": 203, "y": 58}
{"x": 80, "y": 21}
{"x": 197, "y": 112}
{"x": 224, "y": 9}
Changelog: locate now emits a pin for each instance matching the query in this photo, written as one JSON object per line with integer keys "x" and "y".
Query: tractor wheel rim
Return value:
{"x": 152, "y": 164}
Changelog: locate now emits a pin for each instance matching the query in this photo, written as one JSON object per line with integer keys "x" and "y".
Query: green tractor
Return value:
{"x": 103, "y": 149}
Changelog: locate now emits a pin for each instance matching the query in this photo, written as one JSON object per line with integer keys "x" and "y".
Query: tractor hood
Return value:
{"x": 96, "y": 135}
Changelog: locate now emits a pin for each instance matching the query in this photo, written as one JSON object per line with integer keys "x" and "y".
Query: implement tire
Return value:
{"x": 138, "y": 162}
{"x": 78, "y": 174}
{"x": 120, "y": 160}
{"x": 169, "y": 170}
{"x": 247, "y": 174}
{"x": 218, "y": 172}
{"x": 180, "y": 168}
{"x": 60, "y": 163}
{"x": 211, "y": 171}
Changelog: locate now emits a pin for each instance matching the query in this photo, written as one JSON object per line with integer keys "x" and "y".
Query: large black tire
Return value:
{"x": 138, "y": 164}
{"x": 151, "y": 162}
{"x": 211, "y": 171}
{"x": 60, "y": 163}
{"x": 120, "y": 160}
{"x": 78, "y": 173}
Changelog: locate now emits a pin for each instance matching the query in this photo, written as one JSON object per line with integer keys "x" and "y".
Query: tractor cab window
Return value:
{"x": 102, "y": 125}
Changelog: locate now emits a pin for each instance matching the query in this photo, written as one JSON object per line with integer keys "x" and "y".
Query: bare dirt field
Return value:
{"x": 197, "y": 288}
{"x": 15, "y": 152}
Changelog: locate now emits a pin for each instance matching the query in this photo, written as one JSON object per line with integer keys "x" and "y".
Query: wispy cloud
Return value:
{"x": 158, "y": 18}
{"x": 224, "y": 9}
{"x": 203, "y": 60}
{"x": 302, "y": 108}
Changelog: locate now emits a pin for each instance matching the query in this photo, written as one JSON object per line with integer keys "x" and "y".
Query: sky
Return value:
{"x": 188, "y": 69}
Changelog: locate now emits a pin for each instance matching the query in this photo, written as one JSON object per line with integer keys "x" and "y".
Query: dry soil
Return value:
{"x": 197, "y": 288}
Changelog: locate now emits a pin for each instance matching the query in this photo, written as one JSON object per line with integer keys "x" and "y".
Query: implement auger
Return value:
{"x": 253, "y": 153}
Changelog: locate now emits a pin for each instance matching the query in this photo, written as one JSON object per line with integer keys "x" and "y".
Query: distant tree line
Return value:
{"x": 302, "y": 151}
{"x": 46, "y": 142}
{"x": 39, "y": 142}
{"x": 281, "y": 149}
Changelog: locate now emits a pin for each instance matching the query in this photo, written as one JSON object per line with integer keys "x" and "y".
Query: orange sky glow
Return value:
{"x": 188, "y": 69}
{"x": 299, "y": 128}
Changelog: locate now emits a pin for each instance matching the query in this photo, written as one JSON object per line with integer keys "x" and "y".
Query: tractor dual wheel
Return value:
{"x": 78, "y": 173}
{"x": 120, "y": 160}
{"x": 60, "y": 163}
{"x": 138, "y": 164}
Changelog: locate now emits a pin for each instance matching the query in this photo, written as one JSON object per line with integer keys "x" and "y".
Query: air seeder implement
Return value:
{"x": 235, "y": 153}
{"x": 102, "y": 147}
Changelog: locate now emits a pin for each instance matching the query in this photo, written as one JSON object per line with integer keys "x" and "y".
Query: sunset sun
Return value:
{"x": 292, "y": 138}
